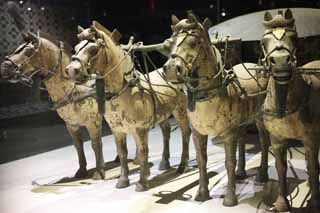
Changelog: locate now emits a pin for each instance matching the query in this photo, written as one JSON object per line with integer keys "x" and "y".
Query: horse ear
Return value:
{"x": 267, "y": 16}
{"x": 174, "y": 28}
{"x": 288, "y": 14}
{"x": 93, "y": 29}
{"x": 80, "y": 29}
{"x": 32, "y": 37}
{"x": 116, "y": 36}
{"x": 192, "y": 17}
{"x": 207, "y": 23}
{"x": 174, "y": 19}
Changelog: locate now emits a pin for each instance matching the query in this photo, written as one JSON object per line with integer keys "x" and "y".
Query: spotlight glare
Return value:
{"x": 223, "y": 14}
{"x": 211, "y": 6}
{"x": 21, "y": 2}
{"x": 29, "y": 8}
{"x": 42, "y": 8}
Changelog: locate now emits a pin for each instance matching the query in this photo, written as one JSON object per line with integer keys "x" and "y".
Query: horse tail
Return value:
{"x": 15, "y": 14}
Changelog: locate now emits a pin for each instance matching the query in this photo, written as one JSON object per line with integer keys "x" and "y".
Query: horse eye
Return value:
{"x": 28, "y": 52}
{"x": 93, "y": 51}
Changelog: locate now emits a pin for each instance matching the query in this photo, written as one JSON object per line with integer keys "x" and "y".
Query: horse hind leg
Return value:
{"x": 96, "y": 143}
{"x": 264, "y": 139}
{"x": 166, "y": 130}
{"x": 312, "y": 154}
{"x": 181, "y": 117}
{"x": 74, "y": 132}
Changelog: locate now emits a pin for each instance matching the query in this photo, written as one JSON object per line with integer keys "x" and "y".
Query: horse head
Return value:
{"x": 190, "y": 45}
{"x": 279, "y": 46}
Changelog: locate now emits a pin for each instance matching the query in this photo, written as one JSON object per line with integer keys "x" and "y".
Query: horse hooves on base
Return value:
{"x": 282, "y": 204}
{"x": 81, "y": 173}
{"x": 141, "y": 187}
{"x": 202, "y": 196}
{"x": 122, "y": 183}
{"x": 230, "y": 200}
{"x": 183, "y": 168}
{"x": 262, "y": 178}
{"x": 164, "y": 165}
{"x": 98, "y": 175}
{"x": 314, "y": 206}
{"x": 241, "y": 175}
{"x": 135, "y": 161}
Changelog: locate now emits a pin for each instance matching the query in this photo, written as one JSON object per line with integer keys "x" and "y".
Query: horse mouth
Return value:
{"x": 283, "y": 79}
{"x": 177, "y": 82}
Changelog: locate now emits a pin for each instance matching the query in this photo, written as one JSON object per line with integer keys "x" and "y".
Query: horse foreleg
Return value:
{"x": 241, "y": 168}
{"x": 230, "y": 146}
{"x": 122, "y": 151}
{"x": 74, "y": 132}
{"x": 264, "y": 140}
{"x": 165, "y": 128}
{"x": 96, "y": 143}
{"x": 200, "y": 143}
{"x": 141, "y": 138}
{"x": 312, "y": 153}
{"x": 181, "y": 117}
{"x": 280, "y": 152}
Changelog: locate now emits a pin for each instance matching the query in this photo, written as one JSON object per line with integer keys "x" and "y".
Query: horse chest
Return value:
{"x": 210, "y": 117}
{"x": 289, "y": 127}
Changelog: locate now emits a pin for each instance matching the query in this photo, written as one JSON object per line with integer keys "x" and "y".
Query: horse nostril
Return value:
{"x": 272, "y": 60}
{"x": 165, "y": 68}
{"x": 178, "y": 68}
{"x": 288, "y": 59}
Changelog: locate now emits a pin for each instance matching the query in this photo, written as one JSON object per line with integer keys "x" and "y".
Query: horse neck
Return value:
{"x": 209, "y": 67}
{"x": 58, "y": 87}
{"x": 296, "y": 97}
{"x": 114, "y": 79}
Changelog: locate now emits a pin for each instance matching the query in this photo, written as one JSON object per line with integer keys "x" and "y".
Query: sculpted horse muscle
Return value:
{"x": 219, "y": 103}
{"x": 291, "y": 108}
{"x": 135, "y": 102}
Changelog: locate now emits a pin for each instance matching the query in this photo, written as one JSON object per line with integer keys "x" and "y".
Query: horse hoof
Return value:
{"x": 202, "y": 195}
{"x": 314, "y": 205}
{"x": 135, "y": 161}
{"x": 122, "y": 183}
{"x": 230, "y": 200}
{"x": 81, "y": 173}
{"x": 183, "y": 168}
{"x": 241, "y": 174}
{"x": 98, "y": 175}
{"x": 262, "y": 177}
{"x": 141, "y": 187}
{"x": 117, "y": 159}
{"x": 164, "y": 165}
{"x": 282, "y": 204}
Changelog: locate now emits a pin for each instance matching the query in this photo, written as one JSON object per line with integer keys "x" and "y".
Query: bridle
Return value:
{"x": 18, "y": 67}
{"x": 292, "y": 52}
{"x": 87, "y": 66}
{"x": 189, "y": 78}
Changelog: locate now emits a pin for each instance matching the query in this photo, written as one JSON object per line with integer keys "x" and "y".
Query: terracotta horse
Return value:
{"x": 220, "y": 103}
{"x": 134, "y": 102}
{"x": 44, "y": 57}
{"x": 291, "y": 108}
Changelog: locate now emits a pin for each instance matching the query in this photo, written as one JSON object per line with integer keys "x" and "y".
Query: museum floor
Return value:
{"x": 40, "y": 183}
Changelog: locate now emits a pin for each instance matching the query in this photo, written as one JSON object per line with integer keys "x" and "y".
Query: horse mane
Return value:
{"x": 67, "y": 47}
